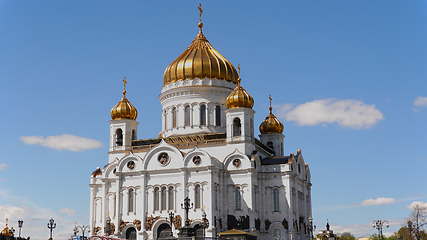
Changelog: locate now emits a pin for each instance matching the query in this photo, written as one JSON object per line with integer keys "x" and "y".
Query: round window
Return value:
{"x": 237, "y": 163}
{"x": 197, "y": 160}
{"x": 131, "y": 164}
{"x": 163, "y": 158}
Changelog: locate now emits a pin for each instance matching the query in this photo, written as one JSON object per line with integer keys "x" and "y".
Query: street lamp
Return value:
{"x": 186, "y": 206}
{"x": 380, "y": 225}
{"x": 83, "y": 228}
{"x": 205, "y": 223}
{"x": 311, "y": 227}
{"x": 51, "y": 225}
{"x": 171, "y": 216}
{"x": 20, "y": 223}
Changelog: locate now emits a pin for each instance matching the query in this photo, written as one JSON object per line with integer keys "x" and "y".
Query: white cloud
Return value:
{"x": 420, "y": 102}
{"x": 63, "y": 142}
{"x": 67, "y": 211}
{"x": 346, "y": 113}
{"x": 35, "y": 218}
{"x": 421, "y": 205}
{"x": 366, "y": 230}
{"x": 3, "y": 166}
{"x": 378, "y": 201}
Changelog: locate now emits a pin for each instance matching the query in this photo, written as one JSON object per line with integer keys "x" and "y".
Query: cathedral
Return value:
{"x": 207, "y": 152}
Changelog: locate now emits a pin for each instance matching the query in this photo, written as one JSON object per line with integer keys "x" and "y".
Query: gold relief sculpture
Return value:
{"x": 150, "y": 221}
{"x": 177, "y": 222}
{"x": 137, "y": 224}
{"x": 122, "y": 225}
{"x": 96, "y": 230}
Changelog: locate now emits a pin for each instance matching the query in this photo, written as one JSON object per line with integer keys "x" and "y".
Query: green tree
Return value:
{"x": 346, "y": 236}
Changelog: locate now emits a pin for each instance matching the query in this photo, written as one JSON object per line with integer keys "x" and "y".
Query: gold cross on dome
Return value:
{"x": 200, "y": 8}
{"x": 125, "y": 81}
{"x": 270, "y": 99}
{"x": 7, "y": 221}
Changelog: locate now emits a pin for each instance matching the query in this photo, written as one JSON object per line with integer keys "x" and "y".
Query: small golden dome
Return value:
{"x": 271, "y": 123}
{"x": 200, "y": 60}
{"x": 239, "y": 97}
{"x": 7, "y": 231}
{"x": 124, "y": 108}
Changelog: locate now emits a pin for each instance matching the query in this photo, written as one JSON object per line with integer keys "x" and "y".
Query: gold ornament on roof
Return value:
{"x": 200, "y": 60}
{"x": 7, "y": 232}
{"x": 124, "y": 108}
{"x": 239, "y": 97}
{"x": 271, "y": 123}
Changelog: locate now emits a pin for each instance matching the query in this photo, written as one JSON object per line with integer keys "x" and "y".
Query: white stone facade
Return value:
{"x": 224, "y": 169}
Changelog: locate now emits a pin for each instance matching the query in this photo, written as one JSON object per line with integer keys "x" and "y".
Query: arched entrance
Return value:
{"x": 131, "y": 233}
{"x": 164, "y": 231}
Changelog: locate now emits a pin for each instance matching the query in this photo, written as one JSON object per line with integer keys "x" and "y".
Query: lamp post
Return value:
{"x": 379, "y": 225}
{"x": 20, "y": 223}
{"x": 311, "y": 227}
{"x": 171, "y": 216}
{"x": 186, "y": 206}
{"x": 83, "y": 228}
{"x": 51, "y": 225}
{"x": 205, "y": 224}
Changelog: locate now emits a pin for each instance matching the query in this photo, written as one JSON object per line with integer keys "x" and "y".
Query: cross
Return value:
{"x": 238, "y": 69}
{"x": 125, "y": 81}
{"x": 200, "y": 8}
{"x": 270, "y": 99}
{"x": 7, "y": 221}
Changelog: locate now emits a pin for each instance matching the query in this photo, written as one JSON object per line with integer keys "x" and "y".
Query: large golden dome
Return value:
{"x": 200, "y": 60}
{"x": 271, "y": 123}
{"x": 239, "y": 97}
{"x": 124, "y": 108}
{"x": 7, "y": 232}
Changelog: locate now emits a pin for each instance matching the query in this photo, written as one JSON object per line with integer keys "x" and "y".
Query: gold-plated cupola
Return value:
{"x": 271, "y": 123}
{"x": 124, "y": 108}
{"x": 239, "y": 97}
{"x": 200, "y": 60}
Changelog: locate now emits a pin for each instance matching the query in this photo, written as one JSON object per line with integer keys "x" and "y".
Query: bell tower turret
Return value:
{"x": 271, "y": 130}
{"x": 123, "y": 124}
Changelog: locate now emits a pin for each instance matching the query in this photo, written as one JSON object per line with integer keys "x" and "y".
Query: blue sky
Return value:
{"x": 348, "y": 79}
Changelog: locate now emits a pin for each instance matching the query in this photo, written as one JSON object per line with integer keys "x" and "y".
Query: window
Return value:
{"x": 131, "y": 200}
{"x": 299, "y": 167}
{"x": 170, "y": 198}
{"x": 119, "y": 137}
{"x": 156, "y": 198}
{"x": 237, "y": 127}
{"x": 203, "y": 115}
{"x": 276, "y": 206}
{"x": 187, "y": 116}
{"x": 165, "y": 119}
{"x": 133, "y": 134}
{"x": 174, "y": 117}
{"x": 238, "y": 198}
{"x": 217, "y": 115}
{"x": 197, "y": 197}
{"x": 163, "y": 198}
{"x": 270, "y": 145}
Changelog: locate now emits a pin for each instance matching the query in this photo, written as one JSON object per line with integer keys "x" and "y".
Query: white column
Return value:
{"x": 196, "y": 115}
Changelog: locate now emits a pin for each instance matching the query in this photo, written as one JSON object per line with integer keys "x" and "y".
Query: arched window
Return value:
{"x": 156, "y": 198}
{"x": 217, "y": 115}
{"x": 197, "y": 196}
{"x": 165, "y": 119}
{"x": 131, "y": 200}
{"x": 187, "y": 116}
{"x": 163, "y": 198}
{"x": 276, "y": 196}
{"x": 133, "y": 134}
{"x": 237, "y": 198}
{"x": 237, "y": 127}
{"x": 270, "y": 145}
{"x": 299, "y": 167}
{"x": 174, "y": 117}
{"x": 119, "y": 137}
{"x": 170, "y": 198}
{"x": 203, "y": 115}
